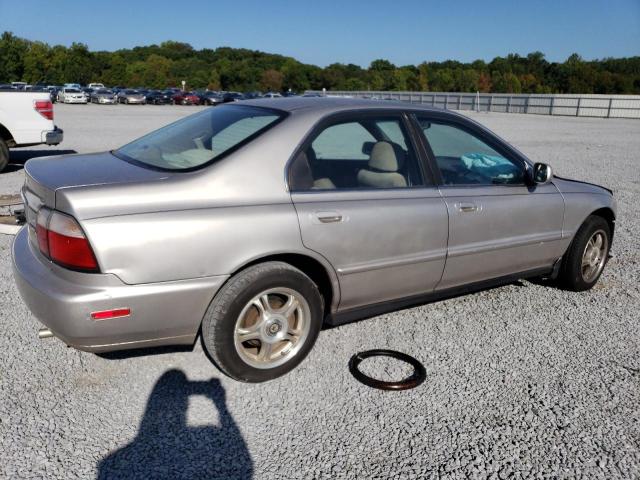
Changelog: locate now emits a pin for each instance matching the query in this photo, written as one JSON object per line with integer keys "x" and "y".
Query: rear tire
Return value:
{"x": 263, "y": 322}
{"x": 587, "y": 255}
{"x": 4, "y": 155}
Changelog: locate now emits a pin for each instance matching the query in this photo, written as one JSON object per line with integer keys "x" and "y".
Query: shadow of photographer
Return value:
{"x": 166, "y": 447}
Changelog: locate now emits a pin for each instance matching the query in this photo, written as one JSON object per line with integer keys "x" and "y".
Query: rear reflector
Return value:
{"x": 107, "y": 314}
{"x": 44, "y": 108}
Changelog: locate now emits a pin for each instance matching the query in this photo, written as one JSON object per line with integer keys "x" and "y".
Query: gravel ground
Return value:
{"x": 523, "y": 381}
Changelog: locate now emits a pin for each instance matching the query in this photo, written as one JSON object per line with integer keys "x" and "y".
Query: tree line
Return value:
{"x": 235, "y": 69}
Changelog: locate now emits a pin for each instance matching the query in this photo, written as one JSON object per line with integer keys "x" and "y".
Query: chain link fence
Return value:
{"x": 605, "y": 106}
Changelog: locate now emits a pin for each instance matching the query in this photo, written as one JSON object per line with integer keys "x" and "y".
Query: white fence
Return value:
{"x": 607, "y": 106}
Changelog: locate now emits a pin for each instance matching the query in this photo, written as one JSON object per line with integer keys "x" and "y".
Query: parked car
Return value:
{"x": 211, "y": 98}
{"x": 53, "y": 92}
{"x": 130, "y": 96}
{"x": 26, "y": 119}
{"x": 232, "y": 96}
{"x": 157, "y": 97}
{"x": 88, "y": 91}
{"x": 191, "y": 230}
{"x": 103, "y": 96}
{"x": 272, "y": 95}
{"x": 96, "y": 86}
{"x": 71, "y": 95}
{"x": 185, "y": 98}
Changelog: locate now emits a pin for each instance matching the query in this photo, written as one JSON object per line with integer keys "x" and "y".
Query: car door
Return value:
{"x": 499, "y": 224}
{"x": 365, "y": 202}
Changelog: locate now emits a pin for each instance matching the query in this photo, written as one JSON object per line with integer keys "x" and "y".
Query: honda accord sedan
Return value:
{"x": 249, "y": 225}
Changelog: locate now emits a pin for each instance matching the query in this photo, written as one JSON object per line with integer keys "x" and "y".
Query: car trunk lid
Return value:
{"x": 46, "y": 175}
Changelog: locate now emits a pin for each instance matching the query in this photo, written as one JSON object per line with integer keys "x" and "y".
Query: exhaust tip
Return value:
{"x": 44, "y": 333}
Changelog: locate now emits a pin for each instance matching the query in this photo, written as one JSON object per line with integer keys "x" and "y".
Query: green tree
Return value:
{"x": 12, "y": 53}
{"x": 294, "y": 76}
{"x": 77, "y": 67}
{"x": 272, "y": 80}
{"x": 423, "y": 76}
{"x": 229, "y": 68}
{"x": 37, "y": 63}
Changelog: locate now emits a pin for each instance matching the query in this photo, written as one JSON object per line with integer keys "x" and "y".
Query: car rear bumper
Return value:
{"x": 166, "y": 313}
{"x": 54, "y": 137}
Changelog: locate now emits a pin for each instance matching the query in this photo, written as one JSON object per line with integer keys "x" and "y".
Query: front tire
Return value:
{"x": 4, "y": 155}
{"x": 263, "y": 322}
{"x": 587, "y": 255}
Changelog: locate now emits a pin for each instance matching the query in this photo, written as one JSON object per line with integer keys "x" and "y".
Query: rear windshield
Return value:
{"x": 200, "y": 138}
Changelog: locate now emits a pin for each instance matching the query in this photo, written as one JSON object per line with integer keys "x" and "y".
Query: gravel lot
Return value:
{"x": 523, "y": 381}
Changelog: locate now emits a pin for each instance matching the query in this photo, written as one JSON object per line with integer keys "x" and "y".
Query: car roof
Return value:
{"x": 328, "y": 104}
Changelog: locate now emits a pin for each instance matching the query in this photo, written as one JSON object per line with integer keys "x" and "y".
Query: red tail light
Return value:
{"x": 61, "y": 239}
{"x": 44, "y": 108}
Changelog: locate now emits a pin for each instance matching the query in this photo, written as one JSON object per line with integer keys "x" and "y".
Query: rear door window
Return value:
{"x": 368, "y": 152}
{"x": 343, "y": 141}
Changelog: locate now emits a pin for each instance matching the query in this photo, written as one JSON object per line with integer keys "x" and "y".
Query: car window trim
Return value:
{"x": 347, "y": 115}
{"x": 476, "y": 130}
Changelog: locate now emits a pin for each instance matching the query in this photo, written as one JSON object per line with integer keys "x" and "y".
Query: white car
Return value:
{"x": 96, "y": 86}
{"x": 26, "y": 118}
{"x": 71, "y": 95}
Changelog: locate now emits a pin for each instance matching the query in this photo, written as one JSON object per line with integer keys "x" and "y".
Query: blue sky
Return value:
{"x": 402, "y": 31}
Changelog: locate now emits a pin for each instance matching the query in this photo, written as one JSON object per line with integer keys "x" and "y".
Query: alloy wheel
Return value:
{"x": 594, "y": 256}
{"x": 272, "y": 328}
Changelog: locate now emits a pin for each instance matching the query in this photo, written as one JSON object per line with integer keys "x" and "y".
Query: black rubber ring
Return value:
{"x": 416, "y": 378}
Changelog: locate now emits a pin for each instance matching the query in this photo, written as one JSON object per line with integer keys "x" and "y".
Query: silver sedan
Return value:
{"x": 129, "y": 96}
{"x": 251, "y": 224}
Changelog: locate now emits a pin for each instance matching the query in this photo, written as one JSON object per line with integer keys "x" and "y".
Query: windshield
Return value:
{"x": 71, "y": 90}
{"x": 200, "y": 138}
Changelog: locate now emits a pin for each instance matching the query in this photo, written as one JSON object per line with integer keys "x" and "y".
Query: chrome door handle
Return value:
{"x": 467, "y": 207}
{"x": 330, "y": 218}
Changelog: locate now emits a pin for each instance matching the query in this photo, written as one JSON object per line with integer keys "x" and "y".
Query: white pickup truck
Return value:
{"x": 26, "y": 118}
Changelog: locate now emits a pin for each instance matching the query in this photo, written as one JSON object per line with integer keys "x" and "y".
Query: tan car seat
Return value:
{"x": 301, "y": 172}
{"x": 382, "y": 170}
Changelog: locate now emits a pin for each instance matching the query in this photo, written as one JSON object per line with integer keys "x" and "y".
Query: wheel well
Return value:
{"x": 6, "y": 135}
{"x": 310, "y": 267}
{"x": 608, "y": 215}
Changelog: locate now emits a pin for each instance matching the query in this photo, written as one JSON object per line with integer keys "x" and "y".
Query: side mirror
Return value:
{"x": 542, "y": 173}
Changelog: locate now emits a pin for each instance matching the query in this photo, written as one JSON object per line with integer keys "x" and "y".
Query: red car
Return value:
{"x": 185, "y": 98}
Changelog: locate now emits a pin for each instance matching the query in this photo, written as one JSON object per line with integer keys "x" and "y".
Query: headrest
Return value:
{"x": 384, "y": 158}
